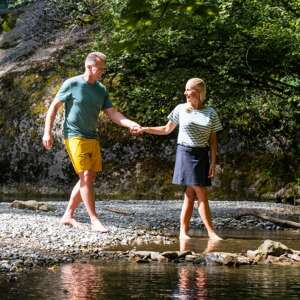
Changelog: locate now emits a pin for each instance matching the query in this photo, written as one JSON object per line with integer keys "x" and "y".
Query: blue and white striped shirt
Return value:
{"x": 195, "y": 126}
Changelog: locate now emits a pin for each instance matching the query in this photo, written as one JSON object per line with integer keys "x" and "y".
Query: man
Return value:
{"x": 83, "y": 97}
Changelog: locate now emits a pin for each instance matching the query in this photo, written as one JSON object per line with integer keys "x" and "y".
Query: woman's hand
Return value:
{"x": 212, "y": 170}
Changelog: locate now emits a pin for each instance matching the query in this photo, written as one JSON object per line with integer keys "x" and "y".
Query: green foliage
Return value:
{"x": 78, "y": 12}
{"x": 18, "y": 3}
{"x": 7, "y": 22}
{"x": 247, "y": 51}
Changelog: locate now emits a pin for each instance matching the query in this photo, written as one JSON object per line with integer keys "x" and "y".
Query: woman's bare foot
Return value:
{"x": 70, "y": 221}
{"x": 212, "y": 245}
{"x": 214, "y": 236}
{"x": 184, "y": 244}
{"x": 97, "y": 226}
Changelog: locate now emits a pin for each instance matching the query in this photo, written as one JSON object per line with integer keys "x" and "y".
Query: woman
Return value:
{"x": 198, "y": 125}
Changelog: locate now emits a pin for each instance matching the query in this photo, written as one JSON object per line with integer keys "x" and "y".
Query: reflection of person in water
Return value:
{"x": 187, "y": 245}
{"x": 192, "y": 283}
{"x": 79, "y": 281}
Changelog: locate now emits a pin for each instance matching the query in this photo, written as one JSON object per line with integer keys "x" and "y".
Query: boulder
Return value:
{"x": 273, "y": 248}
{"x": 32, "y": 205}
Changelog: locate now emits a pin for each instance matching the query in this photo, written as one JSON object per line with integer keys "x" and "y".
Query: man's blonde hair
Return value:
{"x": 92, "y": 58}
{"x": 199, "y": 85}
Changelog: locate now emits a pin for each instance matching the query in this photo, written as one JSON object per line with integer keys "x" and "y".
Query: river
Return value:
{"x": 91, "y": 279}
{"x": 111, "y": 281}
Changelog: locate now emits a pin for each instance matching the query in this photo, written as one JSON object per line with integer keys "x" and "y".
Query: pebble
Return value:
{"x": 35, "y": 238}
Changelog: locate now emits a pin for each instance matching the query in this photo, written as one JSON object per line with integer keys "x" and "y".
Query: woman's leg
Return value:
{"x": 186, "y": 212}
{"x": 204, "y": 211}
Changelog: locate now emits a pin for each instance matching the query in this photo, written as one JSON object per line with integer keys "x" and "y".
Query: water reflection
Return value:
{"x": 79, "y": 280}
{"x": 114, "y": 281}
{"x": 207, "y": 245}
{"x": 192, "y": 283}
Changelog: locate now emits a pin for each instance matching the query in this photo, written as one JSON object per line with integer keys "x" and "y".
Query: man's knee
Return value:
{"x": 87, "y": 177}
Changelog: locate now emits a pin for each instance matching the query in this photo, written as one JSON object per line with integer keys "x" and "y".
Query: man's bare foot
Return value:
{"x": 97, "y": 226}
{"x": 184, "y": 236}
{"x": 70, "y": 221}
{"x": 214, "y": 236}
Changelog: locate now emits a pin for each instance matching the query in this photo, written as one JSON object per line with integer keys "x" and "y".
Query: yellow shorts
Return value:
{"x": 84, "y": 153}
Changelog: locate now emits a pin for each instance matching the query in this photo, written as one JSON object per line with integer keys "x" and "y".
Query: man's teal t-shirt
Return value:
{"x": 83, "y": 102}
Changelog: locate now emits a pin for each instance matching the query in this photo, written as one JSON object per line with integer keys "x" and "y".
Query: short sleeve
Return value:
{"x": 216, "y": 123}
{"x": 64, "y": 92}
{"x": 174, "y": 115}
{"x": 107, "y": 102}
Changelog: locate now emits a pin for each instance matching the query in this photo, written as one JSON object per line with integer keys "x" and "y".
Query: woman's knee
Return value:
{"x": 190, "y": 193}
{"x": 201, "y": 192}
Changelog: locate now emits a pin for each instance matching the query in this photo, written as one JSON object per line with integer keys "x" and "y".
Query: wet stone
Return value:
{"x": 34, "y": 237}
{"x": 170, "y": 254}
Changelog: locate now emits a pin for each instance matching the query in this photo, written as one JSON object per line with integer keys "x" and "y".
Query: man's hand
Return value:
{"x": 51, "y": 113}
{"x": 135, "y": 130}
{"x": 48, "y": 141}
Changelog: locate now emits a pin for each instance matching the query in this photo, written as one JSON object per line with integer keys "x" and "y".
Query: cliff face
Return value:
{"x": 34, "y": 62}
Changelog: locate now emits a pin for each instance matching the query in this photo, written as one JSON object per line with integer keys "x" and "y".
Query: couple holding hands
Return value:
{"x": 83, "y": 97}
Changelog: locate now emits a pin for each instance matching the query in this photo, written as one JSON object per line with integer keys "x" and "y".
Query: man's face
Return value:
{"x": 98, "y": 69}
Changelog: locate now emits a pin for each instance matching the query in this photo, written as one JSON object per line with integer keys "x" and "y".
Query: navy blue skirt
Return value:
{"x": 191, "y": 166}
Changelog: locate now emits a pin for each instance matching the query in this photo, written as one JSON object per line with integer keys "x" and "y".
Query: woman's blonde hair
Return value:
{"x": 200, "y": 86}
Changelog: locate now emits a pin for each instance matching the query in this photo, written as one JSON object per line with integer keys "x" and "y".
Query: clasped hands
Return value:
{"x": 136, "y": 130}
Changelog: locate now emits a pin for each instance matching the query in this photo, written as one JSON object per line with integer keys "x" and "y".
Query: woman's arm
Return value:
{"x": 213, "y": 154}
{"x": 160, "y": 130}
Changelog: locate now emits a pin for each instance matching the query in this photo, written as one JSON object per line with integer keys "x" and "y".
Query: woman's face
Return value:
{"x": 192, "y": 93}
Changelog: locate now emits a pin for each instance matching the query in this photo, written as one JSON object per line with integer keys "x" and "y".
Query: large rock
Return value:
{"x": 273, "y": 248}
{"x": 32, "y": 204}
{"x": 227, "y": 259}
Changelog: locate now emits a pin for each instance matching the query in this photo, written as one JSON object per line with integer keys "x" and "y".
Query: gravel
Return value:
{"x": 35, "y": 238}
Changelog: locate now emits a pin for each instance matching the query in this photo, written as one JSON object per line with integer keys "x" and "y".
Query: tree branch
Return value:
{"x": 277, "y": 221}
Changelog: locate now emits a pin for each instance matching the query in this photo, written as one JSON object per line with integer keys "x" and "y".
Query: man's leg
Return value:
{"x": 75, "y": 198}
{"x": 87, "y": 179}
{"x": 204, "y": 212}
{"x": 186, "y": 212}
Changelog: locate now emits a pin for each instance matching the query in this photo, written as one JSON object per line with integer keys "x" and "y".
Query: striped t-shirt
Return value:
{"x": 195, "y": 126}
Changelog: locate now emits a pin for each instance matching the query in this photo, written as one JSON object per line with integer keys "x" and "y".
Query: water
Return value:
{"x": 121, "y": 280}
{"x": 124, "y": 280}
{"x": 235, "y": 241}
{"x": 155, "y": 281}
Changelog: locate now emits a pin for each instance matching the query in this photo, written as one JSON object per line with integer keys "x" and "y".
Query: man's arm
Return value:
{"x": 119, "y": 118}
{"x": 50, "y": 117}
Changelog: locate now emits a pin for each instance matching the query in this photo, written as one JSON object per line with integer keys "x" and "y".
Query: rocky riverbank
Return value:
{"x": 30, "y": 238}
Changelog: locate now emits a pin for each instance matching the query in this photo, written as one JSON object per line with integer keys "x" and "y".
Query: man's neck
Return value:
{"x": 88, "y": 78}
